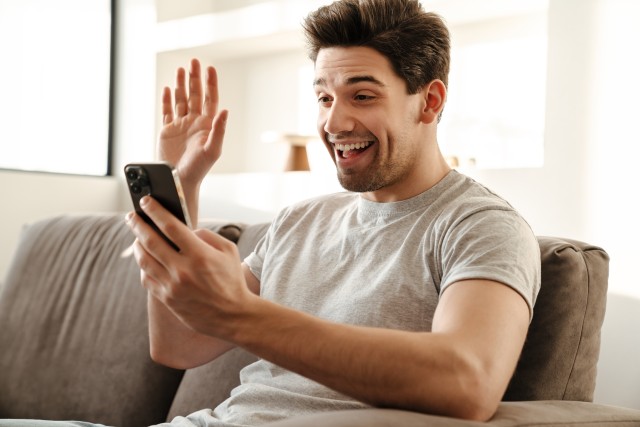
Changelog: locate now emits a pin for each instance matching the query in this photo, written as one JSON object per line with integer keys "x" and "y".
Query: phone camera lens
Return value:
{"x": 136, "y": 189}
{"x": 132, "y": 174}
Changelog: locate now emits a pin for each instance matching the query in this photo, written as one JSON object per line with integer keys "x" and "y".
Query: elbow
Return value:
{"x": 475, "y": 396}
{"x": 469, "y": 393}
{"x": 165, "y": 358}
{"x": 475, "y": 408}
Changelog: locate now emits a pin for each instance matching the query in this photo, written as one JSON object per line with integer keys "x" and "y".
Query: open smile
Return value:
{"x": 346, "y": 151}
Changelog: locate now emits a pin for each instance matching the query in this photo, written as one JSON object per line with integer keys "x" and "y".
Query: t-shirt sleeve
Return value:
{"x": 496, "y": 245}
{"x": 255, "y": 260}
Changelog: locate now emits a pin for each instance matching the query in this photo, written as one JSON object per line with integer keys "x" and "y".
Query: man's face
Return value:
{"x": 367, "y": 120}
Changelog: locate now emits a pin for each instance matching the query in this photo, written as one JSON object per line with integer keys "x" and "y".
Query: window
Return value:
{"x": 494, "y": 116}
{"x": 55, "y": 74}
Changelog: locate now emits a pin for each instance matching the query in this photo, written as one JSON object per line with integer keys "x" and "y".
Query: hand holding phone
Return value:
{"x": 159, "y": 181}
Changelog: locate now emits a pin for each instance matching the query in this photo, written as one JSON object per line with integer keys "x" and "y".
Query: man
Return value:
{"x": 413, "y": 290}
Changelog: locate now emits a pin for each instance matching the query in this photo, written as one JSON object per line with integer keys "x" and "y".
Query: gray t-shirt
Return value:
{"x": 349, "y": 260}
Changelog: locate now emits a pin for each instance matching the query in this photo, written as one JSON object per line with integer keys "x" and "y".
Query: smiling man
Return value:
{"x": 412, "y": 290}
{"x": 370, "y": 124}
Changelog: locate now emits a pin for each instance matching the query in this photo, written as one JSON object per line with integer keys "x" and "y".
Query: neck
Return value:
{"x": 425, "y": 175}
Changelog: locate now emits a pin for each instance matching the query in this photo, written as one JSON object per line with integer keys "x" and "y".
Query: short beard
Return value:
{"x": 378, "y": 178}
{"x": 360, "y": 184}
{"x": 380, "y": 174}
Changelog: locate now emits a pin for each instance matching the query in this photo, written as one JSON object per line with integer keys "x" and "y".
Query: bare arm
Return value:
{"x": 174, "y": 344}
{"x": 191, "y": 140}
{"x": 460, "y": 369}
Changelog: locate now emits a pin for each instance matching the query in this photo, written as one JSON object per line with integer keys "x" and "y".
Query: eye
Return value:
{"x": 323, "y": 99}
{"x": 363, "y": 97}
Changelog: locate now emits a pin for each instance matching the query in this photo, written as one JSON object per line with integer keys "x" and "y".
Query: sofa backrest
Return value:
{"x": 73, "y": 328}
{"x": 74, "y": 344}
{"x": 561, "y": 352}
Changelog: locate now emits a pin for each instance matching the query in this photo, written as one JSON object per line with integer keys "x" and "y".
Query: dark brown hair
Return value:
{"x": 415, "y": 42}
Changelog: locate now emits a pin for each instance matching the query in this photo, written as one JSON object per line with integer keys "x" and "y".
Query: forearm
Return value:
{"x": 416, "y": 371}
{"x": 192, "y": 198}
{"x": 174, "y": 344}
{"x": 191, "y": 192}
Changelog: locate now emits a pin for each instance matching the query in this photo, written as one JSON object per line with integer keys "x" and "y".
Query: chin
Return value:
{"x": 358, "y": 184}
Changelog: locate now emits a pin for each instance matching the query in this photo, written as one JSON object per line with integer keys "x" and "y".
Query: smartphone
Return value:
{"x": 160, "y": 181}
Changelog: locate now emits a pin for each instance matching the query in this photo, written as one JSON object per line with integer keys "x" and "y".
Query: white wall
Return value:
{"x": 586, "y": 189}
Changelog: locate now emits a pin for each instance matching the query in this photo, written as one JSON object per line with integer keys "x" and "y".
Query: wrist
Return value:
{"x": 191, "y": 197}
{"x": 252, "y": 323}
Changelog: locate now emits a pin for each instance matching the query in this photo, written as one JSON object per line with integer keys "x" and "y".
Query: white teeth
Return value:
{"x": 349, "y": 147}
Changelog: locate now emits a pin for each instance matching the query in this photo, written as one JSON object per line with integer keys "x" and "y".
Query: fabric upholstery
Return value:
{"x": 74, "y": 345}
{"x": 210, "y": 384}
{"x": 510, "y": 414}
{"x": 73, "y": 328}
{"x": 561, "y": 352}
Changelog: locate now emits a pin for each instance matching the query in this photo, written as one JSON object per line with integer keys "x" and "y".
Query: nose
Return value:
{"x": 337, "y": 118}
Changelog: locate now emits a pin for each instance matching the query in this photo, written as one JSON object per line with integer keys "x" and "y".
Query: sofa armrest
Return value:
{"x": 510, "y": 414}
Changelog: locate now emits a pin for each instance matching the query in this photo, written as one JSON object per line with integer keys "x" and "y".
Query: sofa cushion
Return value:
{"x": 74, "y": 317}
{"x": 509, "y": 414}
{"x": 73, "y": 328}
{"x": 560, "y": 355}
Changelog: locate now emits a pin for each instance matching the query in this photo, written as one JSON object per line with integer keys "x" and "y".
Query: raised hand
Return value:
{"x": 193, "y": 129}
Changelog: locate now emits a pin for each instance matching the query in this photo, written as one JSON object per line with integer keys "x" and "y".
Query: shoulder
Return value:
{"x": 486, "y": 238}
{"x": 474, "y": 219}
{"x": 463, "y": 194}
{"x": 464, "y": 204}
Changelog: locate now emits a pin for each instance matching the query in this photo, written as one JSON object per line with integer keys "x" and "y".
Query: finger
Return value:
{"x": 167, "y": 108}
{"x": 214, "y": 142}
{"x": 215, "y": 240}
{"x": 180, "y": 94}
{"x": 195, "y": 88}
{"x": 211, "y": 93}
{"x": 178, "y": 232}
{"x": 149, "y": 239}
{"x": 152, "y": 273}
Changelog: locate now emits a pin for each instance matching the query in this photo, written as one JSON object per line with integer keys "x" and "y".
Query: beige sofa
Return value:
{"x": 73, "y": 339}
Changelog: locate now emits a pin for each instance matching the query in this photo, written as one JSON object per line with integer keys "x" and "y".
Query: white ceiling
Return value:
{"x": 234, "y": 28}
{"x": 455, "y": 10}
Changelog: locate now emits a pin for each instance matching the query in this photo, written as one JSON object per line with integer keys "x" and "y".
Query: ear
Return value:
{"x": 434, "y": 96}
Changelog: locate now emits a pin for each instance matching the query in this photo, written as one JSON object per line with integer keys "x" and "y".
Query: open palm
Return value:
{"x": 193, "y": 129}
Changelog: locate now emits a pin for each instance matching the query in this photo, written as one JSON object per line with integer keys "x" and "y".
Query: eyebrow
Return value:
{"x": 353, "y": 80}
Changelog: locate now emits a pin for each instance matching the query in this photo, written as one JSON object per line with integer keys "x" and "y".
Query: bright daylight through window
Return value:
{"x": 55, "y": 74}
{"x": 494, "y": 117}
